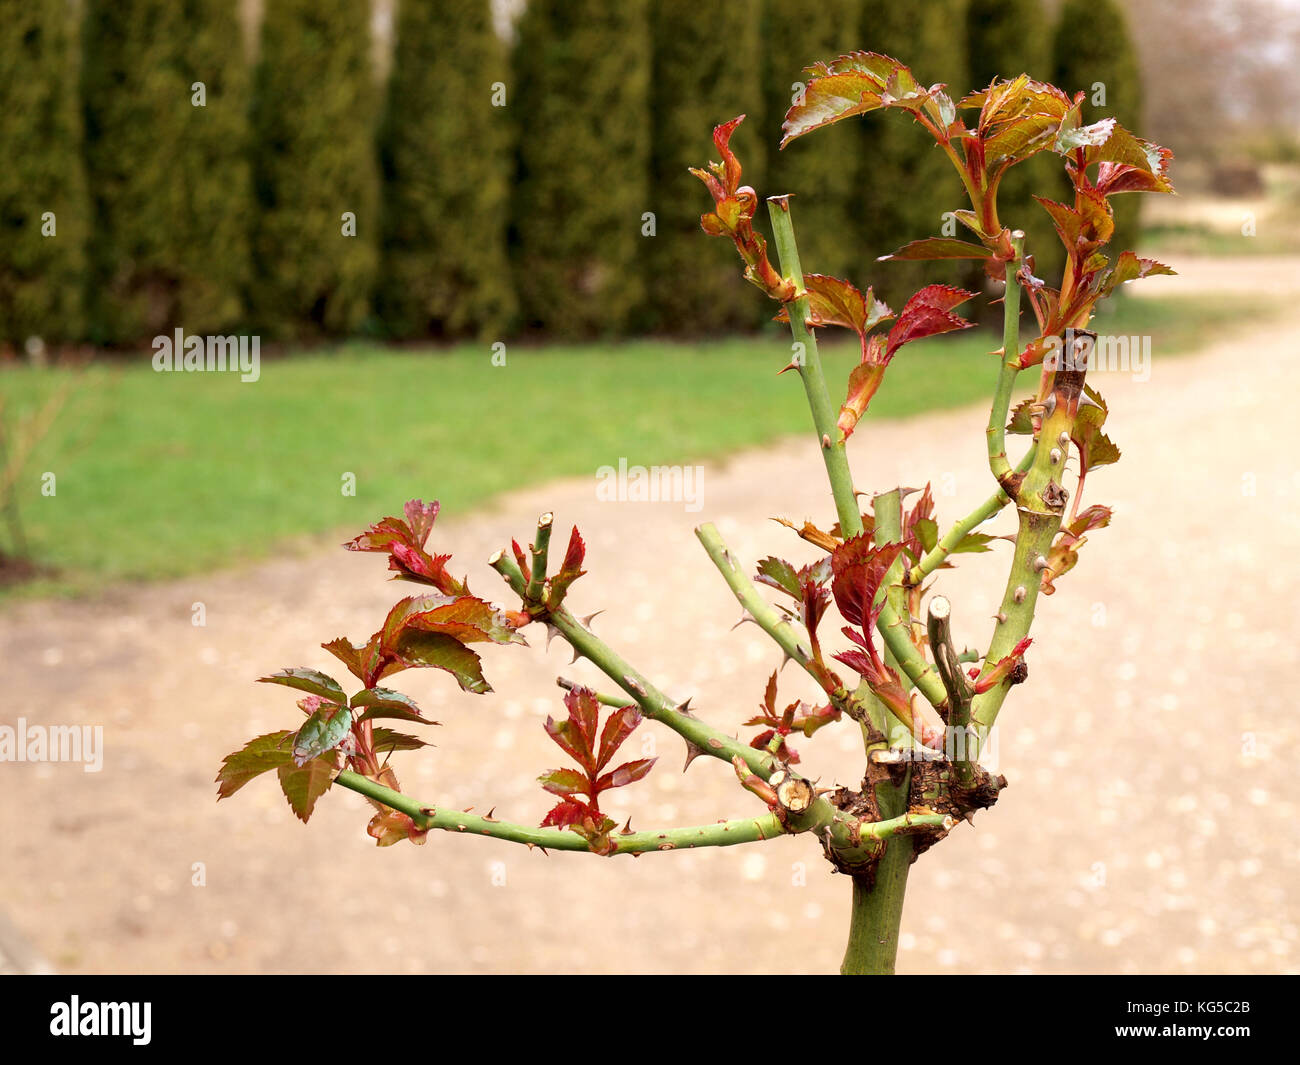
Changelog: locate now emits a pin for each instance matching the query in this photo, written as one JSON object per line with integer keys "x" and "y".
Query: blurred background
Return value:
{"x": 464, "y": 237}
{"x": 357, "y": 185}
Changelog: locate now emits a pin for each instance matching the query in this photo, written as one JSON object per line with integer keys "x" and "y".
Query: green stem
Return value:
{"x": 1010, "y": 367}
{"x": 533, "y": 593}
{"x": 604, "y": 698}
{"x": 769, "y": 619}
{"x": 829, "y": 436}
{"x": 877, "y": 914}
{"x": 720, "y": 834}
{"x": 935, "y": 558}
{"x": 654, "y": 703}
{"x": 1040, "y": 504}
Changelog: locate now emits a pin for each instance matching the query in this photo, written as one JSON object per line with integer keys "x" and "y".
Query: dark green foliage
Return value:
{"x": 705, "y": 71}
{"x": 1093, "y": 52}
{"x": 40, "y": 144}
{"x": 443, "y": 261}
{"x": 906, "y": 183}
{"x": 822, "y": 170}
{"x": 581, "y": 103}
{"x": 314, "y": 115}
{"x": 1005, "y": 38}
{"x": 167, "y": 178}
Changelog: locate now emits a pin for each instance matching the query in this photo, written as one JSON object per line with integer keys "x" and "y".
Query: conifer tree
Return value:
{"x": 704, "y": 72}
{"x": 43, "y": 205}
{"x": 1094, "y": 52}
{"x": 164, "y": 92}
{"x": 316, "y": 179}
{"x": 443, "y": 265}
{"x": 581, "y": 194}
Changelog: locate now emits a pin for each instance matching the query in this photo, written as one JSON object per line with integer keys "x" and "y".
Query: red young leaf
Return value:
{"x": 928, "y": 314}
{"x": 835, "y": 302}
{"x": 733, "y": 213}
{"x": 859, "y": 567}
{"x": 937, "y": 248}
{"x": 627, "y": 773}
{"x": 570, "y": 570}
{"x": 577, "y": 737}
{"x": 618, "y": 727}
{"x": 404, "y": 542}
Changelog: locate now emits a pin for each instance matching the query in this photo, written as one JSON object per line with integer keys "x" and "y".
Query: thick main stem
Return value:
{"x": 877, "y": 908}
{"x": 877, "y": 914}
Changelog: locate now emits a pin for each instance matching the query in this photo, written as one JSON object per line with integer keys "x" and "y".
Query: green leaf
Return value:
{"x": 927, "y": 533}
{"x": 1022, "y": 422}
{"x": 564, "y": 782}
{"x": 303, "y": 785}
{"x": 851, "y": 85}
{"x": 386, "y": 739}
{"x": 308, "y": 680}
{"x": 779, "y": 574}
{"x": 439, "y": 651}
{"x": 384, "y": 703}
{"x": 256, "y": 757}
{"x": 322, "y": 731}
{"x": 973, "y": 543}
{"x": 1095, "y": 447}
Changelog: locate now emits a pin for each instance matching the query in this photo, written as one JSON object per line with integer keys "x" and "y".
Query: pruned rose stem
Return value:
{"x": 721, "y": 834}
{"x": 1008, "y": 369}
{"x": 829, "y": 438}
{"x": 539, "y": 549}
{"x": 939, "y": 631}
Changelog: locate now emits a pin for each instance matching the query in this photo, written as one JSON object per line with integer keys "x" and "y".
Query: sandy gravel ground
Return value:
{"x": 1150, "y": 825}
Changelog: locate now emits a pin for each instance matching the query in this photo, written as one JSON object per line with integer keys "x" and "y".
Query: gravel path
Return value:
{"x": 1149, "y": 825}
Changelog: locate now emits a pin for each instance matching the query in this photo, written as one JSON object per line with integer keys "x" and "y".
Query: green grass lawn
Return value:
{"x": 166, "y": 474}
